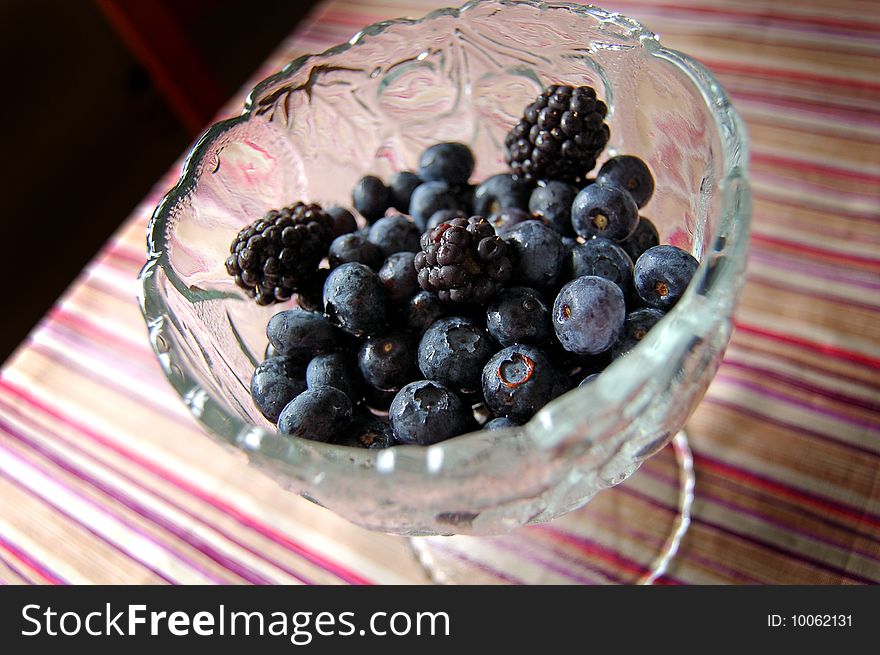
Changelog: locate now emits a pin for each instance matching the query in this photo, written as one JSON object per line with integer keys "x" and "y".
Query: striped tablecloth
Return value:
{"x": 105, "y": 478}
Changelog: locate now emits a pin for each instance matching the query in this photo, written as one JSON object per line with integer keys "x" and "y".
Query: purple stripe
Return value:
{"x": 822, "y": 269}
{"x": 799, "y": 203}
{"x": 11, "y": 409}
{"x": 42, "y": 569}
{"x": 437, "y": 544}
{"x": 114, "y": 494}
{"x": 772, "y": 521}
{"x": 803, "y": 386}
{"x": 89, "y": 529}
{"x": 16, "y": 571}
{"x": 777, "y": 395}
{"x": 766, "y": 281}
{"x": 780, "y": 550}
{"x": 521, "y": 548}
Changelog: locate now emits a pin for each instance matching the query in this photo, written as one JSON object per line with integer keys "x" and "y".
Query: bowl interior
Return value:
{"x": 372, "y": 106}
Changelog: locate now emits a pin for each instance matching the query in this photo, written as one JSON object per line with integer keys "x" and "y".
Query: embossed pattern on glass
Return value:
{"x": 372, "y": 105}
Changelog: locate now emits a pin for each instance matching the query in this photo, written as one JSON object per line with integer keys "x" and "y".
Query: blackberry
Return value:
{"x": 559, "y": 136}
{"x": 273, "y": 256}
{"x": 463, "y": 261}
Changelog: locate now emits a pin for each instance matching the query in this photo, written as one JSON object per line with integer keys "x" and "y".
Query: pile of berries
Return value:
{"x": 457, "y": 306}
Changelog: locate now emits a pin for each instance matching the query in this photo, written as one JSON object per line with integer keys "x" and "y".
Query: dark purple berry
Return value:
{"x": 662, "y": 274}
{"x": 538, "y": 253}
{"x": 398, "y": 275}
{"x": 367, "y": 430}
{"x": 387, "y": 362}
{"x": 500, "y": 192}
{"x": 343, "y": 221}
{"x": 604, "y": 210}
{"x": 603, "y": 258}
{"x": 402, "y": 185}
{"x": 588, "y": 315}
{"x": 334, "y": 370}
{"x": 426, "y": 412}
{"x": 551, "y": 202}
{"x": 635, "y": 327}
{"x": 506, "y": 219}
{"x": 519, "y": 315}
{"x": 520, "y": 380}
{"x": 452, "y": 163}
{"x": 645, "y": 236}
{"x": 629, "y": 173}
{"x": 453, "y": 351}
{"x": 423, "y": 309}
{"x": 354, "y": 248}
{"x": 371, "y": 197}
{"x": 431, "y": 197}
{"x": 319, "y": 414}
{"x": 300, "y": 334}
{"x": 354, "y": 300}
{"x": 394, "y": 233}
{"x": 276, "y": 381}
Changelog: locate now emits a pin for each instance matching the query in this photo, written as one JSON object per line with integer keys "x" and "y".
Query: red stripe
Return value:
{"x": 816, "y": 251}
{"x": 790, "y": 75}
{"x": 31, "y": 564}
{"x": 339, "y": 570}
{"x": 812, "y": 167}
{"x": 754, "y": 480}
{"x": 834, "y": 351}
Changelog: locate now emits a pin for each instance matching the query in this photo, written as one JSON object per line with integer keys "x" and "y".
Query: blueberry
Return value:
{"x": 506, "y": 219}
{"x": 354, "y": 248}
{"x": 275, "y": 383}
{"x": 538, "y": 253}
{"x": 588, "y": 315}
{"x": 367, "y": 431}
{"x": 604, "y": 210}
{"x": 395, "y": 233}
{"x": 319, "y": 414}
{"x": 453, "y": 351}
{"x": 603, "y": 258}
{"x": 635, "y": 327}
{"x": 270, "y": 351}
{"x": 662, "y": 274}
{"x": 518, "y": 315}
{"x": 551, "y": 202}
{"x": 465, "y": 195}
{"x": 354, "y": 299}
{"x": 443, "y": 216}
{"x": 424, "y": 308}
{"x": 500, "y": 192}
{"x": 520, "y": 380}
{"x": 431, "y": 197}
{"x": 500, "y": 423}
{"x": 343, "y": 221}
{"x": 644, "y": 237}
{"x": 334, "y": 370}
{"x": 371, "y": 197}
{"x": 425, "y": 412}
{"x": 301, "y": 334}
{"x": 449, "y": 162}
{"x": 629, "y": 173}
{"x": 398, "y": 274}
{"x": 402, "y": 185}
{"x": 388, "y": 362}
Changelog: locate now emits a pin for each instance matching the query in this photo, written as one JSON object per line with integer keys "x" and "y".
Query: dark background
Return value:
{"x": 90, "y": 123}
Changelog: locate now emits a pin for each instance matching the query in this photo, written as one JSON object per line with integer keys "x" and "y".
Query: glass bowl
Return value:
{"x": 371, "y": 106}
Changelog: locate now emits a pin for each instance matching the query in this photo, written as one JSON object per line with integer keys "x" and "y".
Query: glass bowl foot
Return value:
{"x": 625, "y": 535}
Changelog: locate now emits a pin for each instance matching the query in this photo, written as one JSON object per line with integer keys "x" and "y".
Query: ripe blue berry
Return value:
{"x": 367, "y": 431}
{"x": 431, "y": 197}
{"x": 387, "y": 362}
{"x": 398, "y": 274}
{"x": 538, "y": 254}
{"x": 520, "y": 380}
{"x": 551, "y": 202}
{"x": 402, "y": 185}
{"x": 518, "y": 315}
{"x": 631, "y": 174}
{"x": 276, "y": 382}
{"x": 662, "y": 274}
{"x": 354, "y": 300}
{"x": 334, "y": 370}
{"x": 588, "y": 315}
{"x": 500, "y": 192}
{"x": 354, "y": 248}
{"x": 394, "y": 233}
{"x": 635, "y": 327}
{"x": 604, "y": 210}
{"x": 343, "y": 221}
{"x": 603, "y": 258}
{"x": 448, "y": 162}
{"x": 319, "y": 414}
{"x": 300, "y": 334}
{"x": 453, "y": 351}
{"x": 504, "y": 220}
{"x": 644, "y": 237}
{"x": 424, "y": 308}
{"x": 371, "y": 197}
{"x": 425, "y": 412}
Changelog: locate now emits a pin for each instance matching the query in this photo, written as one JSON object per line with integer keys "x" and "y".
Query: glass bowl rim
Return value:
{"x": 301, "y": 453}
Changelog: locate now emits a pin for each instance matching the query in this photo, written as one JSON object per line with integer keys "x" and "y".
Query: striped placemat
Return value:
{"x": 105, "y": 478}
